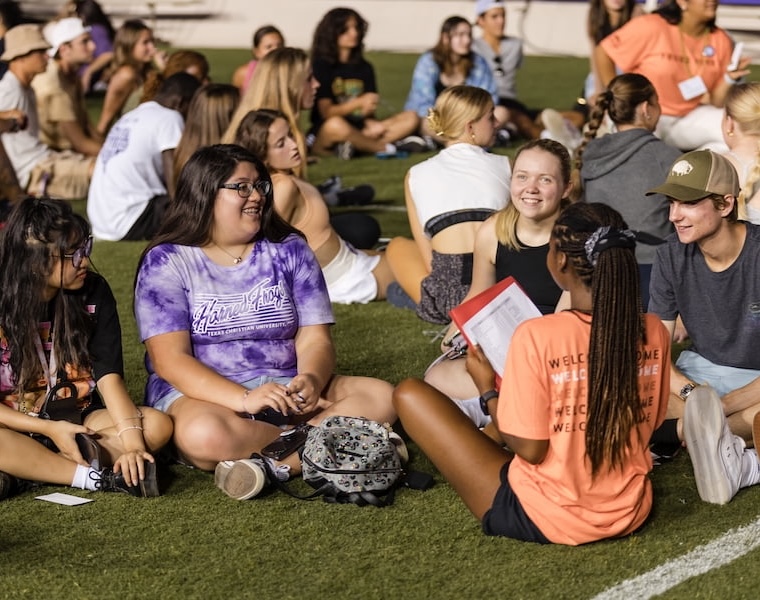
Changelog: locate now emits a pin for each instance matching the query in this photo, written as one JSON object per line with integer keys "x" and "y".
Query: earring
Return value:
{"x": 472, "y": 136}
{"x": 730, "y": 133}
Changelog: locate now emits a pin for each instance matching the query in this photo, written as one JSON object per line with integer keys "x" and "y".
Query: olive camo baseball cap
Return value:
{"x": 699, "y": 174}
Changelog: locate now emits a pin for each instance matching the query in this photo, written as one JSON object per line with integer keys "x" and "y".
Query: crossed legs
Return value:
{"x": 469, "y": 460}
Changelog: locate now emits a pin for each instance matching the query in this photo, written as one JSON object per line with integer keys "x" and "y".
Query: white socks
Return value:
{"x": 82, "y": 479}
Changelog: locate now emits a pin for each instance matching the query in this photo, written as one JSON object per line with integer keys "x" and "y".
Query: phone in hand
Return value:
{"x": 736, "y": 56}
{"x": 288, "y": 442}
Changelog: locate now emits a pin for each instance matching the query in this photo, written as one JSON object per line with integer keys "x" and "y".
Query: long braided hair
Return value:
{"x": 595, "y": 239}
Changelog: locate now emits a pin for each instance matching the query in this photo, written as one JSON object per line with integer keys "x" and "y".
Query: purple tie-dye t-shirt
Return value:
{"x": 243, "y": 318}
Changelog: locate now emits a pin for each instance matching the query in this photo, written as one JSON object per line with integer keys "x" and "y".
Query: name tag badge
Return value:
{"x": 693, "y": 87}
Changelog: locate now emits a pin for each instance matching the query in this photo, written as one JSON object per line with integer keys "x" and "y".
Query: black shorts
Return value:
{"x": 149, "y": 221}
{"x": 507, "y": 517}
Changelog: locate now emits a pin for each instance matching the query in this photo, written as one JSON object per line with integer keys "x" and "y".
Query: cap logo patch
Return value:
{"x": 682, "y": 167}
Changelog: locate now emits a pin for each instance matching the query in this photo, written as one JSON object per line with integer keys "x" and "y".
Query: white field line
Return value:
{"x": 721, "y": 551}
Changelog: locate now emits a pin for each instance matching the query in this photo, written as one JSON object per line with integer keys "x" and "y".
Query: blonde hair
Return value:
{"x": 277, "y": 84}
{"x": 507, "y": 217}
{"x": 457, "y": 107}
{"x": 743, "y": 106}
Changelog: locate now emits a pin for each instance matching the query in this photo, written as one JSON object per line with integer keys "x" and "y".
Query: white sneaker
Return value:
{"x": 716, "y": 453}
{"x": 560, "y": 130}
{"x": 241, "y": 479}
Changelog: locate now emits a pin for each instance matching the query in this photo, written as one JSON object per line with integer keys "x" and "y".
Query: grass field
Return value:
{"x": 194, "y": 542}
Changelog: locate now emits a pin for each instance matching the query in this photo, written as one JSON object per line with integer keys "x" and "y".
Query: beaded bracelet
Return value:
{"x": 118, "y": 433}
{"x": 137, "y": 418}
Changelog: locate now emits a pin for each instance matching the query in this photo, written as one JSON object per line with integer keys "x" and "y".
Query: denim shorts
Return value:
{"x": 269, "y": 415}
{"x": 721, "y": 378}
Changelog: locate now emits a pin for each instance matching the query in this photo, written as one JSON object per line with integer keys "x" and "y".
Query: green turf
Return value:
{"x": 194, "y": 542}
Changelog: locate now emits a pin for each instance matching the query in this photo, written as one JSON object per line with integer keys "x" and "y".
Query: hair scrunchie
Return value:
{"x": 605, "y": 238}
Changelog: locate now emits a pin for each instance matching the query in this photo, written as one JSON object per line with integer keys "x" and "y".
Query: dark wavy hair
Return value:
{"x": 190, "y": 217}
{"x": 617, "y": 332}
{"x": 325, "y": 43}
{"x": 38, "y": 232}
{"x": 673, "y": 14}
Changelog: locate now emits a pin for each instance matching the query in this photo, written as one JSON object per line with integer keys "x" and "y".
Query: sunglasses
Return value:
{"x": 245, "y": 188}
{"x": 498, "y": 70}
{"x": 80, "y": 253}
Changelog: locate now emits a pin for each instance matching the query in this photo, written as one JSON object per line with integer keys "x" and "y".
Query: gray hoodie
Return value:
{"x": 618, "y": 169}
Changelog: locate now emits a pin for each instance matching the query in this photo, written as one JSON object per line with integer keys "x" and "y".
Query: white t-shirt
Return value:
{"x": 129, "y": 171}
{"x": 24, "y": 147}
{"x": 459, "y": 177}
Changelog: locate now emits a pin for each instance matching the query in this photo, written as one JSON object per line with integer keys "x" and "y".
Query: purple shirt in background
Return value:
{"x": 242, "y": 319}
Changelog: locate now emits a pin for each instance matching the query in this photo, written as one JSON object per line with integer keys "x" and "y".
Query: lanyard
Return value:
{"x": 50, "y": 367}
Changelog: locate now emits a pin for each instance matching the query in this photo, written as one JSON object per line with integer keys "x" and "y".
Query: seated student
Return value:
{"x": 134, "y": 55}
{"x": 182, "y": 61}
{"x": 133, "y": 180}
{"x": 504, "y": 55}
{"x": 284, "y": 82}
{"x": 351, "y": 275}
{"x": 686, "y": 57}
{"x": 265, "y": 39}
{"x": 741, "y": 132}
{"x": 103, "y": 34}
{"x": 59, "y": 330}
{"x": 343, "y": 115}
{"x": 232, "y": 307}
{"x": 447, "y": 197}
{"x": 706, "y": 273}
{"x": 578, "y": 467}
{"x": 618, "y": 168}
{"x": 451, "y": 62}
{"x": 64, "y": 122}
{"x": 39, "y": 169}
{"x": 514, "y": 242}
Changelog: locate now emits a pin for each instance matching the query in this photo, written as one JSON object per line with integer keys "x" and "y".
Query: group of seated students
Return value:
{"x": 233, "y": 291}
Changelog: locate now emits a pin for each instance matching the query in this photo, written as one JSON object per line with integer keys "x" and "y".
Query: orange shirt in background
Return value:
{"x": 652, "y": 47}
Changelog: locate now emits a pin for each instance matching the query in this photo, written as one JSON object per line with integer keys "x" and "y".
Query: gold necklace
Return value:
{"x": 235, "y": 259}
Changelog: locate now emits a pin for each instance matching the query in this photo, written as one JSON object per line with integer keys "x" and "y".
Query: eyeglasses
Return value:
{"x": 80, "y": 253}
{"x": 245, "y": 188}
{"x": 498, "y": 70}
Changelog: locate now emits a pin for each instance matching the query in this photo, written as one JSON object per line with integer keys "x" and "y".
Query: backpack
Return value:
{"x": 351, "y": 459}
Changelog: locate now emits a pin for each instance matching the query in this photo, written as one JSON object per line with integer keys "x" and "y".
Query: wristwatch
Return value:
{"x": 686, "y": 390}
{"x": 489, "y": 395}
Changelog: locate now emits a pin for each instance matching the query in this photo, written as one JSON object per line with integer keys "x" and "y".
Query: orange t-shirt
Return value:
{"x": 544, "y": 397}
{"x": 652, "y": 47}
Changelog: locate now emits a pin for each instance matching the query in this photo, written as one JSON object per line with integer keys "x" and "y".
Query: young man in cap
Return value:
{"x": 64, "y": 122}
{"x": 707, "y": 272}
{"x": 38, "y": 168}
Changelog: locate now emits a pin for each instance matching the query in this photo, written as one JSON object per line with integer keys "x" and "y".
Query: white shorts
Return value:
{"x": 698, "y": 130}
{"x": 349, "y": 276}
